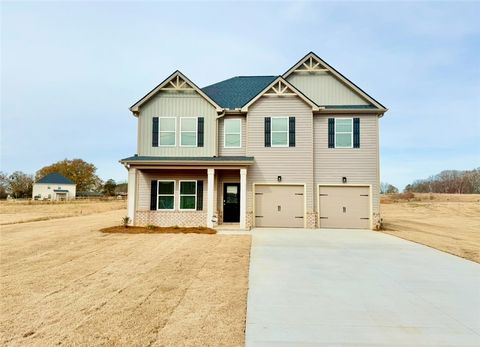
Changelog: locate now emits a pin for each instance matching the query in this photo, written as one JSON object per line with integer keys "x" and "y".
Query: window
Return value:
{"x": 343, "y": 133}
{"x": 279, "y": 131}
{"x": 233, "y": 133}
{"x": 188, "y": 195}
{"x": 167, "y": 130}
{"x": 188, "y": 131}
{"x": 166, "y": 195}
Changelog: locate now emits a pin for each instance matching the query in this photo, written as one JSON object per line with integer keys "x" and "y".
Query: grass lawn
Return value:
{"x": 448, "y": 222}
{"x": 64, "y": 282}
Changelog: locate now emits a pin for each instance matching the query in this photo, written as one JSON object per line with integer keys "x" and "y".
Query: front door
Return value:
{"x": 231, "y": 202}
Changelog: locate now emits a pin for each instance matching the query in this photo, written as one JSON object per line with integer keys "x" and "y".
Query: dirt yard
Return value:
{"x": 28, "y": 211}
{"x": 63, "y": 282}
{"x": 448, "y": 222}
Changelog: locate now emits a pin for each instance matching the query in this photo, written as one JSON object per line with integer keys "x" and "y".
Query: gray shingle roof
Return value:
{"x": 237, "y": 91}
{"x": 55, "y": 178}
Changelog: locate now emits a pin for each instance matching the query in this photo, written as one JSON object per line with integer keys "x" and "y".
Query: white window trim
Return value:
{"x": 225, "y": 133}
{"x": 351, "y": 133}
{"x": 158, "y": 195}
{"x": 180, "y": 195}
{"x": 188, "y": 131}
{"x": 167, "y": 131}
{"x": 278, "y": 131}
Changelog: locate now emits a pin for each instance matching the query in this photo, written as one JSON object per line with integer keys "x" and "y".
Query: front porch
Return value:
{"x": 188, "y": 195}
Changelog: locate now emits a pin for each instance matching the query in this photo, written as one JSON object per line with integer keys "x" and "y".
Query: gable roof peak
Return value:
{"x": 177, "y": 81}
{"x": 322, "y": 66}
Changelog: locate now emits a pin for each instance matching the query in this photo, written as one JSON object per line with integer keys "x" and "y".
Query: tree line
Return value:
{"x": 19, "y": 184}
{"x": 448, "y": 181}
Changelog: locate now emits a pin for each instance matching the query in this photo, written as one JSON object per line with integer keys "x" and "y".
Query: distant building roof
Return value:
{"x": 237, "y": 91}
{"x": 55, "y": 178}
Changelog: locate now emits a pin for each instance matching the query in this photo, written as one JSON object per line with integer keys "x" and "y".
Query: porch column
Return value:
{"x": 243, "y": 198}
{"x": 210, "y": 197}
{"x": 131, "y": 197}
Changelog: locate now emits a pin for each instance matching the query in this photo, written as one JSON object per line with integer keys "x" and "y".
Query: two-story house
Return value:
{"x": 296, "y": 150}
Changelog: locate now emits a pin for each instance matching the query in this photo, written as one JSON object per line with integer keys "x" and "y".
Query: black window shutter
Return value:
{"x": 268, "y": 142}
{"x": 199, "y": 195}
{"x": 200, "y": 132}
{"x": 291, "y": 131}
{"x": 331, "y": 133}
{"x": 153, "y": 195}
{"x": 356, "y": 132}
{"x": 155, "y": 132}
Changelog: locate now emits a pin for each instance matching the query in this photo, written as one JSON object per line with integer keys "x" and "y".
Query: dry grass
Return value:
{"x": 12, "y": 212}
{"x": 63, "y": 282}
{"x": 448, "y": 222}
{"x": 120, "y": 229}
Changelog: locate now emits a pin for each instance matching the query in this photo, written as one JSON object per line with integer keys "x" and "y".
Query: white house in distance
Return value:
{"x": 54, "y": 186}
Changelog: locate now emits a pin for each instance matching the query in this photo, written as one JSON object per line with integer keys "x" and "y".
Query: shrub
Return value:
{"x": 126, "y": 221}
{"x": 151, "y": 227}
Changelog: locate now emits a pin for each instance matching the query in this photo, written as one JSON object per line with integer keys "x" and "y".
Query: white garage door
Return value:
{"x": 279, "y": 206}
{"x": 344, "y": 207}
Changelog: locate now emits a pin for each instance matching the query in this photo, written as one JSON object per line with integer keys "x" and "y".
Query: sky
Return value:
{"x": 70, "y": 70}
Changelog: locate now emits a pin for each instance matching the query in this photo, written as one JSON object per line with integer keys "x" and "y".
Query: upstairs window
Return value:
{"x": 188, "y": 195}
{"x": 343, "y": 133}
{"x": 167, "y": 130}
{"x": 166, "y": 195}
{"x": 232, "y": 133}
{"x": 188, "y": 131}
{"x": 279, "y": 132}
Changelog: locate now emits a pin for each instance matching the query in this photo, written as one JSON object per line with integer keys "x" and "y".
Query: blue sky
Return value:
{"x": 70, "y": 70}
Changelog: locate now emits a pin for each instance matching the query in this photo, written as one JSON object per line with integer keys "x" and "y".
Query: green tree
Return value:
{"x": 20, "y": 184}
{"x": 78, "y": 170}
{"x": 109, "y": 187}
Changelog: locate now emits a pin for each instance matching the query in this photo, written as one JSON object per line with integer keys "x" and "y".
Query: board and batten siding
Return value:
{"x": 294, "y": 164}
{"x": 324, "y": 89}
{"x": 358, "y": 165}
{"x": 144, "y": 179}
{"x": 222, "y": 151}
{"x": 176, "y": 104}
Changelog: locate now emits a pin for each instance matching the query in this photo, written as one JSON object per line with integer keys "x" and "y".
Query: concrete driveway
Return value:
{"x": 358, "y": 288}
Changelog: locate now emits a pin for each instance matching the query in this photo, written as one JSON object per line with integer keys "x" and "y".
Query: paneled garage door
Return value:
{"x": 279, "y": 206}
{"x": 344, "y": 207}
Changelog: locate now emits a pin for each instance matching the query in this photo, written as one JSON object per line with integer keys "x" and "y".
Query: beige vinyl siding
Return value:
{"x": 145, "y": 177}
{"x": 359, "y": 165}
{"x": 294, "y": 164}
{"x": 222, "y": 151}
{"x": 176, "y": 104}
{"x": 325, "y": 89}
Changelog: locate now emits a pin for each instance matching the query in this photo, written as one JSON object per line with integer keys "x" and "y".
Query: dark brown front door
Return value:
{"x": 231, "y": 202}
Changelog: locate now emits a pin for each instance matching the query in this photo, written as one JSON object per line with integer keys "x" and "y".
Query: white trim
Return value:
{"x": 131, "y": 197}
{"x": 189, "y": 131}
{"x": 345, "y": 185}
{"x": 338, "y": 75}
{"x": 210, "y": 196}
{"x": 281, "y": 184}
{"x": 135, "y": 108}
{"x": 335, "y": 132}
{"x": 169, "y": 131}
{"x": 279, "y": 131}
{"x": 289, "y": 85}
{"x": 180, "y": 196}
{"x": 225, "y": 132}
{"x": 158, "y": 195}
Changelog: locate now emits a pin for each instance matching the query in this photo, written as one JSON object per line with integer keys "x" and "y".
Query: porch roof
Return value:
{"x": 224, "y": 160}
